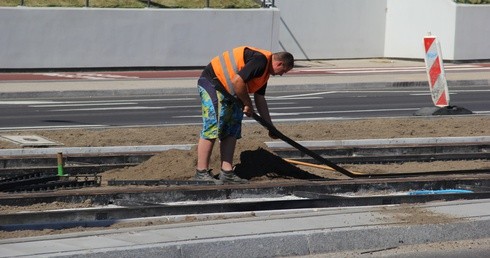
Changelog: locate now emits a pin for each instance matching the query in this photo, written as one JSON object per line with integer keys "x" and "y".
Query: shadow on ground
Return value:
{"x": 261, "y": 162}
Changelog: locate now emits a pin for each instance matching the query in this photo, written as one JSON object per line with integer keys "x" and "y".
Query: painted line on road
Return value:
{"x": 122, "y": 108}
{"x": 89, "y": 76}
{"x": 24, "y": 102}
{"x": 322, "y": 112}
{"x": 291, "y": 98}
{"x": 394, "y": 70}
{"x": 106, "y": 109}
{"x": 83, "y": 105}
{"x": 452, "y": 92}
{"x": 389, "y": 69}
{"x": 282, "y": 108}
{"x": 303, "y": 96}
{"x": 428, "y": 94}
{"x": 41, "y": 102}
{"x": 342, "y": 111}
{"x": 49, "y": 127}
{"x": 280, "y": 103}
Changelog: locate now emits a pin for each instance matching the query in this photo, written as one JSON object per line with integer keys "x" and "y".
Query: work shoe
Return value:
{"x": 206, "y": 175}
{"x": 229, "y": 177}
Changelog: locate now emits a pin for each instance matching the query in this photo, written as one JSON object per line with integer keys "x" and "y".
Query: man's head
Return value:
{"x": 282, "y": 62}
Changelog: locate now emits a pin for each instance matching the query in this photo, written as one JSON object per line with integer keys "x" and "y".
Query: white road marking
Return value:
{"x": 105, "y": 109}
{"x": 390, "y": 69}
{"x": 303, "y": 96}
{"x": 343, "y": 111}
{"x": 49, "y": 127}
{"x": 428, "y": 94}
{"x": 89, "y": 76}
{"x": 24, "y": 102}
{"x": 85, "y": 104}
{"x": 271, "y": 103}
{"x": 282, "y": 108}
{"x": 122, "y": 108}
{"x": 322, "y": 112}
{"x": 41, "y": 102}
{"x": 309, "y": 119}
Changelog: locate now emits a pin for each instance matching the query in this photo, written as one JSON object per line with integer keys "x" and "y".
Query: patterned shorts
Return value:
{"x": 221, "y": 117}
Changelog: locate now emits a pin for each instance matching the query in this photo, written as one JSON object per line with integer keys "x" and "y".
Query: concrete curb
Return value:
{"x": 298, "y": 243}
{"x": 394, "y": 141}
{"x": 287, "y": 234}
{"x": 303, "y": 243}
{"x": 94, "y": 150}
{"x": 274, "y": 144}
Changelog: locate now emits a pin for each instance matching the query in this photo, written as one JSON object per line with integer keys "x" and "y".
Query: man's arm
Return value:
{"x": 241, "y": 92}
{"x": 263, "y": 110}
{"x": 262, "y": 107}
{"x": 255, "y": 66}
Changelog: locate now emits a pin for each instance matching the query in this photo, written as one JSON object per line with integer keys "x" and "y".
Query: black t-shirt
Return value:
{"x": 255, "y": 65}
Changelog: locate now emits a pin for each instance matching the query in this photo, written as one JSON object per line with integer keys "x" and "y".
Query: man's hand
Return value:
{"x": 248, "y": 110}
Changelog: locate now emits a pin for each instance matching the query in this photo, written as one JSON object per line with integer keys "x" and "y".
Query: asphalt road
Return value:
{"x": 356, "y": 89}
{"x": 185, "y": 109}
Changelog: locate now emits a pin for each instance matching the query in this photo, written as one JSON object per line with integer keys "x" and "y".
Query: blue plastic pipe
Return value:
{"x": 446, "y": 191}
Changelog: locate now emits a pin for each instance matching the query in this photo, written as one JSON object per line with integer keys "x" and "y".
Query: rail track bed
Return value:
{"x": 136, "y": 199}
{"x": 114, "y": 204}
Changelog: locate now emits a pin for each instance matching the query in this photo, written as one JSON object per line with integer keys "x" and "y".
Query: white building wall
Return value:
{"x": 93, "y": 37}
{"x": 408, "y": 21}
{"x": 310, "y": 29}
{"x": 329, "y": 29}
{"x": 473, "y": 32}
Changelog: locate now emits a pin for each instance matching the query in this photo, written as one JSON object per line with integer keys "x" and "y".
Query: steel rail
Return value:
{"x": 109, "y": 216}
{"x": 161, "y": 201}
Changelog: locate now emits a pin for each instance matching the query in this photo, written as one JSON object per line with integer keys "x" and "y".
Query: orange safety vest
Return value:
{"x": 234, "y": 63}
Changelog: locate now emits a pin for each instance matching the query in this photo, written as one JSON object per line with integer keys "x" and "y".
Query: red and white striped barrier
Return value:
{"x": 435, "y": 72}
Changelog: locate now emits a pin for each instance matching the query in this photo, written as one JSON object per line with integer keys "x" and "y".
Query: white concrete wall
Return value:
{"x": 473, "y": 32}
{"x": 91, "y": 37}
{"x": 408, "y": 21}
{"x": 310, "y": 29}
{"x": 329, "y": 29}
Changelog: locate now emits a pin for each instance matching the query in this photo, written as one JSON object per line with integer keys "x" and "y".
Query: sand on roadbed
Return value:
{"x": 252, "y": 157}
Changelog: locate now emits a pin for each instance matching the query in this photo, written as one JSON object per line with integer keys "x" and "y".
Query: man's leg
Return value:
{"x": 227, "y": 149}
{"x": 204, "y": 151}
{"x": 209, "y": 132}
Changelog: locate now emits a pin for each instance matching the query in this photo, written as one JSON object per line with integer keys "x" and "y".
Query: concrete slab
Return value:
{"x": 390, "y": 141}
{"x": 94, "y": 150}
{"x": 30, "y": 140}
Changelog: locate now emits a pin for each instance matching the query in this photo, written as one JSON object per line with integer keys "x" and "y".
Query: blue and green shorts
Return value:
{"x": 221, "y": 117}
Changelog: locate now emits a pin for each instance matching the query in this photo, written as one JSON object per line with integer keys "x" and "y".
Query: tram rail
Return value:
{"x": 116, "y": 204}
{"x": 130, "y": 199}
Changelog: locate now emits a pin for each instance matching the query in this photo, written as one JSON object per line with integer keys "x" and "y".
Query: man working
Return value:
{"x": 239, "y": 72}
